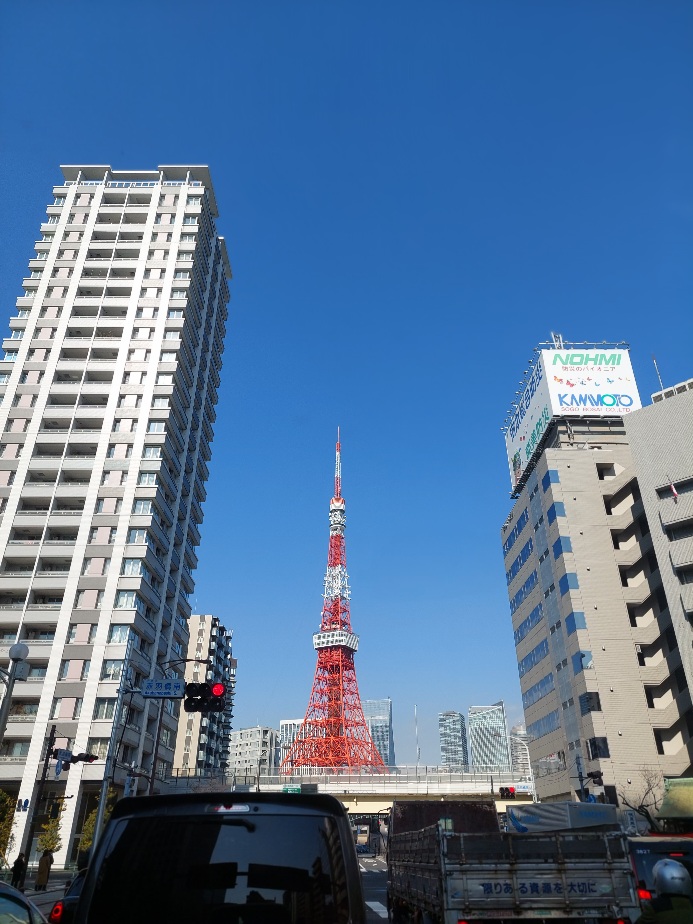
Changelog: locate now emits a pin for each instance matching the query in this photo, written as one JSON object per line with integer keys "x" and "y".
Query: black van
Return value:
{"x": 224, "y": 858}
{"x": 646, "y": 851}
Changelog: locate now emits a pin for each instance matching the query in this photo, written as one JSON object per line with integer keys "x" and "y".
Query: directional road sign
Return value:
{"x": 163, "y": 689}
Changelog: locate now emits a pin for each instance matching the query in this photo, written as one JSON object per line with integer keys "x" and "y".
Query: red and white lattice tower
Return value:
{"x": 334, "y": 732}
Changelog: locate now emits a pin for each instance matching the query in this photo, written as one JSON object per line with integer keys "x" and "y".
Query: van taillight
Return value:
{"x": 644, "y": 895}
{"x": 56, "y": 914}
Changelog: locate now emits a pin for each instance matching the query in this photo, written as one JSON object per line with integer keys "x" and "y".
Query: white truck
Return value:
{"x": 448, "y": 873}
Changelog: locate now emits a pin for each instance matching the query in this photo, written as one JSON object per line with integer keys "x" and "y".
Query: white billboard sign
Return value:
{"x": 568, "y": 383}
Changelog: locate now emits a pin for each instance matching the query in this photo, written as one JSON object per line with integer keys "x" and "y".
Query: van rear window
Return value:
{"x": 190, "y": 869}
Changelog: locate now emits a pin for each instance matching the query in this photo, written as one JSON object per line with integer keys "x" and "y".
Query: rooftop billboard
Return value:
{"x": 568, "y": 383}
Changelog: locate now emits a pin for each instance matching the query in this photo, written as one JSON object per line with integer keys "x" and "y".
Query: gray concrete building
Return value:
{"x": 603, "y": 685}
{"x": 108, "y": 381}
{"x": 253, "y": 752}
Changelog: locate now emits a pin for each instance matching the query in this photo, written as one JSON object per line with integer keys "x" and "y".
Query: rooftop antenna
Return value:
{"x": 661, "y": 384}
{"x": 557, "y": 341}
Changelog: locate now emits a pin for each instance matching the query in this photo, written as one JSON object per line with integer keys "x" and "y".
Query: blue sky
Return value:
{"x": 414, "y": 195}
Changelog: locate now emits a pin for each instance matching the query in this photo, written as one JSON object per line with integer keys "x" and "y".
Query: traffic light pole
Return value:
{"x": 29, "y": 836}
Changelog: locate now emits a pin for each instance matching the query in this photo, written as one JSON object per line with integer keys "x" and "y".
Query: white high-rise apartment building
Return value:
{"x": 254, "y": 751}
{"x": 108, "y": 381}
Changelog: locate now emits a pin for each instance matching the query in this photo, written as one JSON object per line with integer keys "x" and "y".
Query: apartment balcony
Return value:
{"x": 676, "y": 510}
{"x": 681, "y": 552}
{"x": 687, "y": 599}
{"x": 671, "y": 713}
{"x": 655, "y": 674}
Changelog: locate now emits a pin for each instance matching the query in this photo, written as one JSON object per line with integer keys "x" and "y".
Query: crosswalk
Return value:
{"x": 378, "y": 908}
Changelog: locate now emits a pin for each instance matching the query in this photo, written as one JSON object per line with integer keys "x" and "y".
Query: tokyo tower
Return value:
{"x": 334, "y": 732}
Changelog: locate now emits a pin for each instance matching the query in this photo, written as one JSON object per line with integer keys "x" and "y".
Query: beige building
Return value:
{"x": 202, "y": 744}
{"x": 603, "y": 671}
{"x": 109, "y": 381}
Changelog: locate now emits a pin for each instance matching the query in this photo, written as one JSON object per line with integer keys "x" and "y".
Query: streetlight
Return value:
{"x": 19, "y": 668}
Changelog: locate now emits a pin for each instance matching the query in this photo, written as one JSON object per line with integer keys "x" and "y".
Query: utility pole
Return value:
{"x": 29, "y": 837}
{"x": 581, "y": 779}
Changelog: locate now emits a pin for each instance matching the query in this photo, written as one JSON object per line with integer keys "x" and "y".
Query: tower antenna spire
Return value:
{"x": 338, "y": 469}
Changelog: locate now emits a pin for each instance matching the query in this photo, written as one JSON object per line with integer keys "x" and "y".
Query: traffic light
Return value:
{"x": 506, "y": 792}
{"x": 597, "y": 777}
{"x": 204, "y": 697}
{"x": 87, "y": 758}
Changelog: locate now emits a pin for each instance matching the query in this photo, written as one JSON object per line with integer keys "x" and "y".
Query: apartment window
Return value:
{"x": 55, "y": 708}
{"x": 4, "y": 378}
{"x": 111, "y": 670}
{"x": 561, "y": 545}
{"x": 137, "y": 536}
{"x": 125, "y": 600}
{"x": 597, "y": 748}
{"x": 72, "y": 632}
{"x": 142, "y": 507}
{"x": 152, "y": 452}
{"x": 590, "y": 702}
{"x": 113, "y": 532}
{"x": 84, "y": 673}
{"x": 168, "y": 335}
{"x": 568, "y": 582}
{"x": 189, "y": 219}
{"x": 179, "y": 293}
{"x": 98, "y": 746}
{"x": 63, "y": 670}
{"x": 179, "y": 274}
{"x": 188, "y": 238}
{"x": 77, "y": 708}
{"x": 11, "y": 355}
{"x": 557, "y": 509}
{"x": 118, "y": 634}
{"x": 175, "y": 313}
{"x": 582, "y": 661}
{"x": 104, "y": 708}
{"x": 166, "y": 356}
{"x": 156, "y": 426}
{"x": 163, "y": 378}
{"x": 132, "y": 567}
{"x": 574, "y": 621}
{"x": 147, "y": 479}
{"x": 93, "y": 630}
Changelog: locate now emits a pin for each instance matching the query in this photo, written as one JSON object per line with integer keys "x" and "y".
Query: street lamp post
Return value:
{"x": 19, "y": 652}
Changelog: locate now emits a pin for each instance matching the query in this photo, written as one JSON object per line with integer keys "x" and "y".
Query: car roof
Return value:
{"x": 145, "y": 805}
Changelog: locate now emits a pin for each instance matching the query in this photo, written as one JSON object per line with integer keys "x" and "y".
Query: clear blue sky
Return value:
{"x": 414, "y": 195}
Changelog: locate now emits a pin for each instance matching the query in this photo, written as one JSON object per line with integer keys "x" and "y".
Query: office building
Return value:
{"x": 601, "y": 661}
{"x": 202, "y": 743}
{"x": 254, "y": 752}
{"x": 109, "y": 381}
{"x": 288, "y": 729}
{"x": 453, "y": 740}
{"x": 519, "y": 752}
{"x": 487, "y": 730}
{"x": 378, "y": 715}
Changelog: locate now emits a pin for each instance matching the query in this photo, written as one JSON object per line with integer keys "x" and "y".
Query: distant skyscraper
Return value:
{"x": 108, "y": 381}
{"x": 453, "y": 739}
{"x": 488, "y": 736}
{"x": 519, "y": 751}
{"x": 378, "y": 715}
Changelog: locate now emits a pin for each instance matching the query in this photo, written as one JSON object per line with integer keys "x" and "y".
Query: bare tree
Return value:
{"x": 644, "y": 795}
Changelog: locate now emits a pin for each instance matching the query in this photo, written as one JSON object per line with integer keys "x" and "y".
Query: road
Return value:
{"x": 374, "y": 878}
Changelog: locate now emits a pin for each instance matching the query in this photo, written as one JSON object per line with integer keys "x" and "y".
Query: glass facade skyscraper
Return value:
{"x": 488, "y": 736}
{"x": 378, "y": 715}
{"x": 453, "y": 739}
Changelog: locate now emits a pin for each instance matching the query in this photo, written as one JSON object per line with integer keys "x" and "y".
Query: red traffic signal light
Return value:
{"x": 204, "y": 697}
{"x": 87, "y": 758}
